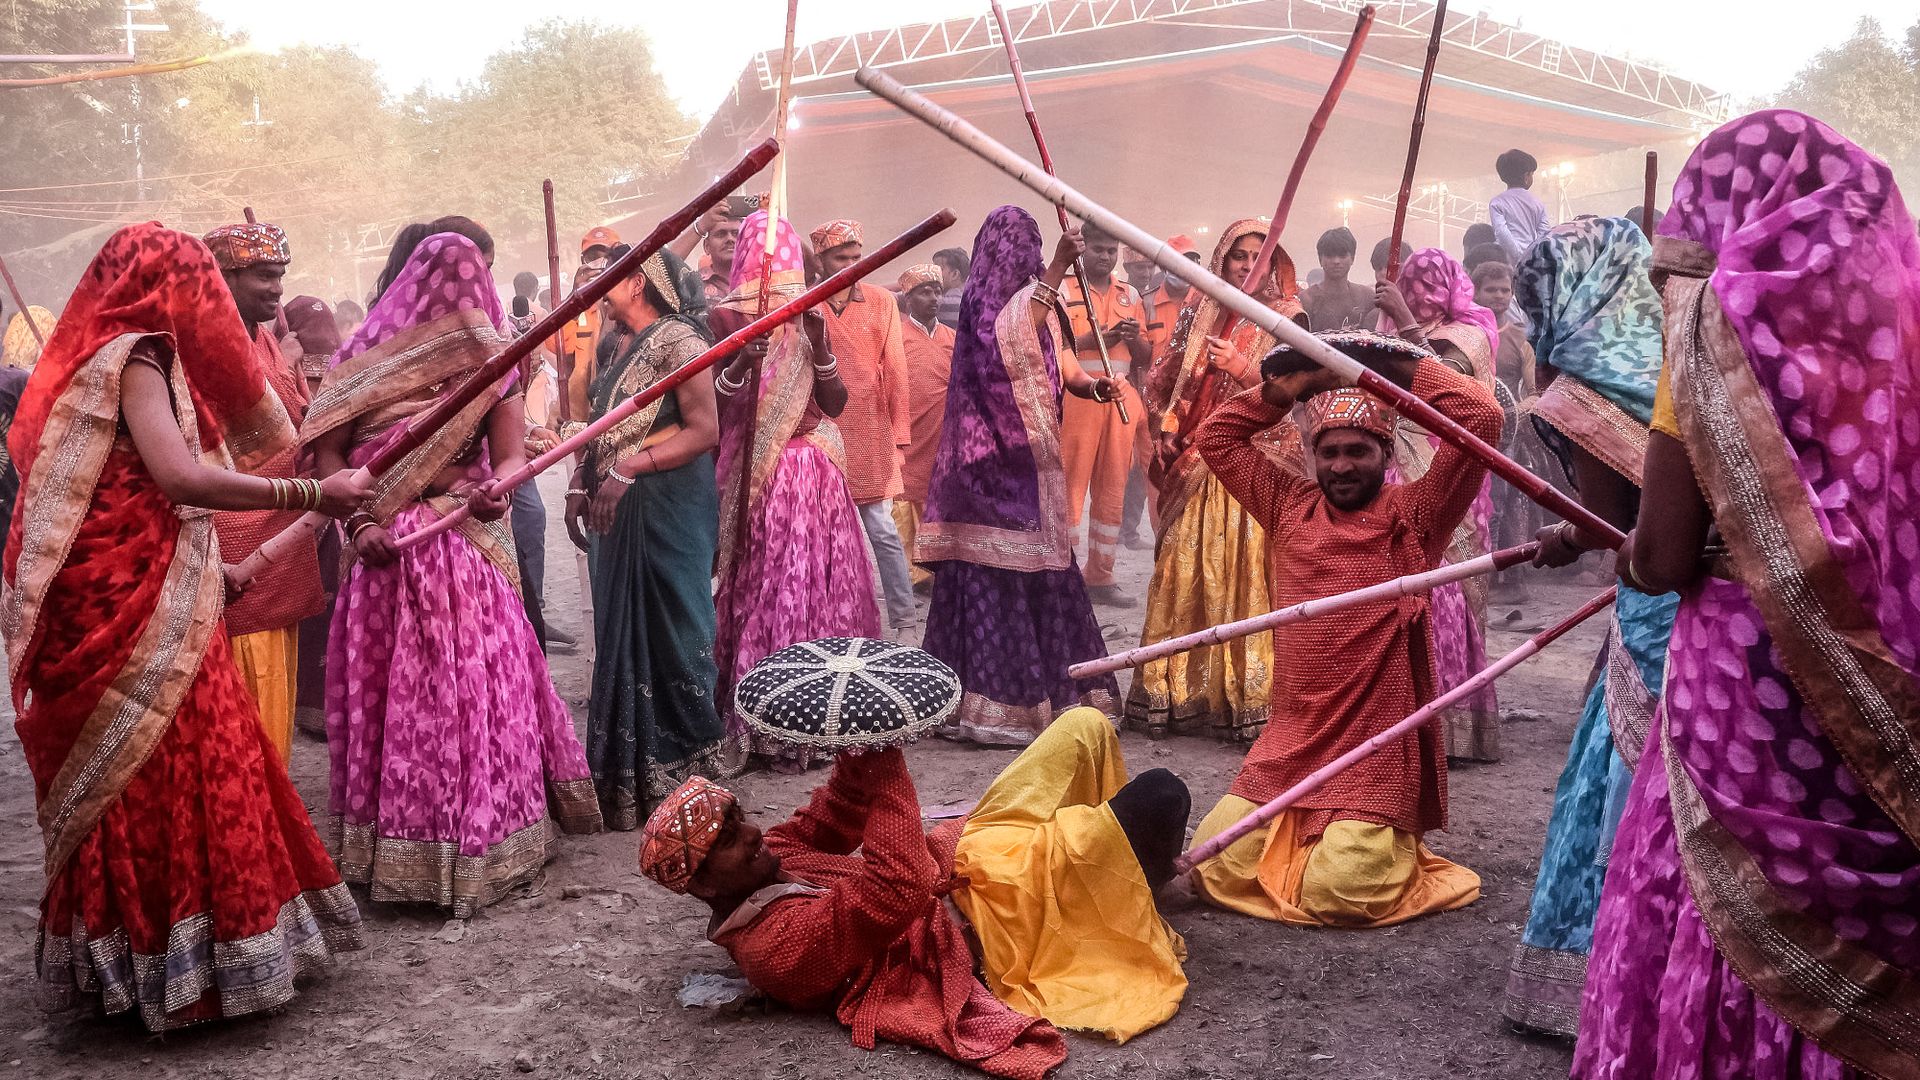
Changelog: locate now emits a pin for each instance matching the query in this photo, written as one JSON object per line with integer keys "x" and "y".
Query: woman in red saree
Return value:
{"x": 183, "y": 876}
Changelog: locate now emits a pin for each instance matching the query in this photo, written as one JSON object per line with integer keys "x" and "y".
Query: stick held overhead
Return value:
{"x": 1280, "y": 327}
{"x": 1413, "y": 141}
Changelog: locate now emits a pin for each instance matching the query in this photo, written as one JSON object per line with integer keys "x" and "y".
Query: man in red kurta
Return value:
{"x": 1348, "y": 853}
{"x": 863, "y": 331}
{"x": 929, "y": 344}
{"x": 1096, "y": 448}
{"x": 263, "y": 624}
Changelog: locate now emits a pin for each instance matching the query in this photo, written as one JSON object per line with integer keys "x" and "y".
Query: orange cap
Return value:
{"x": 1183, "y": 244}
{"x": 599, "y": 236}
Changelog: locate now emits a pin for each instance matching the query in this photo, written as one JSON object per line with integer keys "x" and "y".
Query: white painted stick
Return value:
{"x": 1308, "y": 609}
{"x": 1422, "y": 715}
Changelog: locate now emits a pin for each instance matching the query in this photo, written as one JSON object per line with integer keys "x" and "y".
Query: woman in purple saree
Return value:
{"x": 1010, "y": 609}
{"x": 1759, "y": 915}
{"x": 454, "y": 762}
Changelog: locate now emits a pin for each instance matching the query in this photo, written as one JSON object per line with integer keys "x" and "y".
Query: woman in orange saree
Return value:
{"x": 184, "y": 879}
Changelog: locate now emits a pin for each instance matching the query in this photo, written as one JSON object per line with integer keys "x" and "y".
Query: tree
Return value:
{"x": 1868, "y": 89}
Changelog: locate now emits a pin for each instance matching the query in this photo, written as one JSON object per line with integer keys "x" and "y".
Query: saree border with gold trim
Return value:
{"x": 1849, "y": 1000}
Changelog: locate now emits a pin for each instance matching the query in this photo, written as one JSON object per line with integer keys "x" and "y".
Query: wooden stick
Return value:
{"x": 1208, "y": 392}
{"x": 553, "y": 296}
{"x": 1046, "y": 162}
{"x": 776, "y": 205}
{"x": 721, "y": 350}
{"x": 1646, "y": 205}
{"x": 20, "y": 302}
{"x": 502, "y": 364}
{"x": 1307, "y": 610}
{"x": 1285, "y": 330}
{"x": 1425, "y": 714}
{"x": 1413, "y": 142}
{"x": 247, "y": 212}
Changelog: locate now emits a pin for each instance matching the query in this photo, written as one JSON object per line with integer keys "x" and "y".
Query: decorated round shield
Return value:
{"x": 847, "y": 694}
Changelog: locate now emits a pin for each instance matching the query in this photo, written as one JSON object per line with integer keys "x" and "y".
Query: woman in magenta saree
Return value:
{"x": 802, "y": 571}
{"x": 1760, "y": 911}
{"x": 453, "y": 759}
{"x": 1010, "y": 611}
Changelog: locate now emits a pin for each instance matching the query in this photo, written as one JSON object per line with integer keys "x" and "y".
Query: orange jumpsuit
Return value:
{"x": 1095, "y": 447}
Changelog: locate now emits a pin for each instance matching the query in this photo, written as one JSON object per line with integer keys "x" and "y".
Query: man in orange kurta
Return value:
{"x": 929, "y": 345}
{"x": 1350, "y": 852}
{"x": 580, "y": 341}
{"x": 263, "y": 624}
{"x": 1096, "y": 449}
{"x": 863, "y": 332}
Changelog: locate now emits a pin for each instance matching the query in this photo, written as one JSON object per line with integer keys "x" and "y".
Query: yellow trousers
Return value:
{"x": 1066, "y": 922}
{"x": 906, "y": 518}
{"x": 268, "y": 661}
{"x": 1356, "y": 874}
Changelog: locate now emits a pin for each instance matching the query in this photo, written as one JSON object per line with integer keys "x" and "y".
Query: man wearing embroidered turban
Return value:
{"x": 263, "y": 624}
{"x": 1352, "y": 852}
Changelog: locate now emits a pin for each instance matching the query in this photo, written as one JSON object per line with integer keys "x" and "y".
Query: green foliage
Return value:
{"x": 1868, "y": 89}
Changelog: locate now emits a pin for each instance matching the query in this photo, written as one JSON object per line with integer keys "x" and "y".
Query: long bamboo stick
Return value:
{"x": 1646, "y": 204}
{"x": 1046, "y": 162}
{"x": 1208, "y": 392}
{"x": 1280, "y": 327}
{"x": 776, "y": 206}
{"x": 20, "y": 302}
{"x": 424, "y": 424}
{"x": 553, "y": 293}
{"x": 1422, "y": 715}
{"x": 1413, "y": 142}
{"x": 720, "y": 350}
{"x": 1307, "y": 610}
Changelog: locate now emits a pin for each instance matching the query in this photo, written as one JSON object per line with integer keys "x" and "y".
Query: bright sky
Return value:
{"x": 1745, "y": 47}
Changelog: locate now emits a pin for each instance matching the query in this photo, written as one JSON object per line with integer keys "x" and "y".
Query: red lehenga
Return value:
{"x": 183, "y": 875}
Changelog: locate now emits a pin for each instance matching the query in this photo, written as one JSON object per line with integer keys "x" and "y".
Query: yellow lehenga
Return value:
{"x": 1211, "y": 563}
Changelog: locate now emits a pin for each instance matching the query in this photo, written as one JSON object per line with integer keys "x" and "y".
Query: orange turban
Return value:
{"x": 1348, "y": 407}
{"x": 682, "y": 831}
{"x": 836, "y": 233}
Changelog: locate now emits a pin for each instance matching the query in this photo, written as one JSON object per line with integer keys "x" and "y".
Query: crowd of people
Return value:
{"x": 1729, "y": 881}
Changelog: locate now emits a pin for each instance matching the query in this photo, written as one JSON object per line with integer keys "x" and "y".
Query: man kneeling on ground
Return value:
{"x": 850, "y": 906}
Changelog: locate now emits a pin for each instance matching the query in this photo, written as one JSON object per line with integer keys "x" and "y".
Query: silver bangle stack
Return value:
{"x": 727, "y": 388}
{"x": 828, "y": 370}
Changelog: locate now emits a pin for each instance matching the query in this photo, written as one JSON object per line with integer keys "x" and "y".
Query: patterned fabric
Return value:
{"x": 311, "y": 323}
{"x": 1766, "y": 873}
{"x": 862, "y": 931}
{"x": 652, "y": 719}
{"x": 20, "y": 348}
{"x": 1348, "y": 407}
{"x": 1439, "y": 292}
{"x": 445, "y": 274}
{"x": 184, "y": 878}
{"x": 236, "y": 247}
{"x": 921, "y": 274}
{"x": 847, "y": 694}
{"x": 1385, "y": 670}
{"x": 864, "y": 335}
{"x": 1593, "y": 310}
{"x": 682, "y": 830}
{"x": 836, "y": 233}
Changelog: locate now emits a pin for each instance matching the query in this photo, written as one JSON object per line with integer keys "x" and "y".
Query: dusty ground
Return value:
{"x": 576, "y": 976}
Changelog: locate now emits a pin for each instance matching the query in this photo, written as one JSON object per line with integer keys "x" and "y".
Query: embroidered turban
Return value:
{"x": 1348, "y": 407}
{"x": 923, "y": 274}
{"x": 682, "y": 831}
{"x": 836, "y": 233}
{"x": 236, "y": 247}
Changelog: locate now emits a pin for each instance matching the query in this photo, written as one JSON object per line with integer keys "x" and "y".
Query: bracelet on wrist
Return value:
{"x": 623, "y": 481}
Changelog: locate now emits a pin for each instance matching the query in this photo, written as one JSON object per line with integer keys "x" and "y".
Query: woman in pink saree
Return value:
{"x": 1760, "y": 910}
{"x": 802, "y": 571}
{"x": 1433, "y": 304}
{"x": 453, "y": 759}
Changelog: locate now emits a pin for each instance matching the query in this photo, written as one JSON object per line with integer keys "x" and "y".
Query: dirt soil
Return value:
{"x": 575, "y": 976}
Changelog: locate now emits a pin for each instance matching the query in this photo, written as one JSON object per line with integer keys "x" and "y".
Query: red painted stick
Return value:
{"x": 423, "y": 425}
{"x": 722, "y": 349}
{"x": 1283, "y": 329}
{"x": 20, "y": 302}
{"x": 1208, "y": 393}
{"x": 1426, "y": 713}
{"x": 1646, "y": 205}
{"x": 1309, "y": 609}
{"x": 553, "y": 293}
{"x": 1046, "y": 162}
{"x": 1413, "y": 143}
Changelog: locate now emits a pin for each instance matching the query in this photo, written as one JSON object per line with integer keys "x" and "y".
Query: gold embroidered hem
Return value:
{"x": 574, "y": 806}
{"x": 250, "y": 975}
{"x": 1543, "y": 989}
{"x": 621, "y": 808}
{"x": 982, "y": 720}
{"x": 1211, "y": 568}
{"x": 434, "y": 871}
